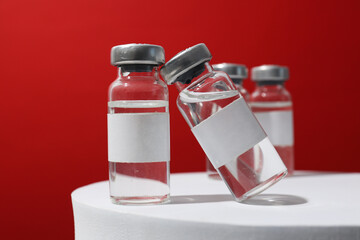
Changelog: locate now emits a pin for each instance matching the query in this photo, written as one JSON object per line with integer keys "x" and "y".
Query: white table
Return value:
{"x": 306, "y": 206}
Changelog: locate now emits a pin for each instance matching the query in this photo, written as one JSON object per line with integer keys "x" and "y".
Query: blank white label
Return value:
{"x": 278, "y": 125}
{"x": 138, "y": 137}
{"x": 228, "y": 133}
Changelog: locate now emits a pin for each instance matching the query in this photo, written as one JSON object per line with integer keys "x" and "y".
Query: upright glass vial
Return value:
{"x": 272, "y": 106}
{"x": 223, "y": 124}
{"x": 237, "y": 73}
{"x": 138, "y": 127}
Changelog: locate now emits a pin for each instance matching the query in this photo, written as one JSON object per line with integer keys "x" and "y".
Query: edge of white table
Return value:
{"x": 309, "y": 205}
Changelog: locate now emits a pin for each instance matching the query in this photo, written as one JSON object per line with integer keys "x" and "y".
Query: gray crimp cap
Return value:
{"x": 184, "y": 61}
{"x": 269, "y": 73}
{"x": 137, "y": 54}
{"x": 235, "y": 71}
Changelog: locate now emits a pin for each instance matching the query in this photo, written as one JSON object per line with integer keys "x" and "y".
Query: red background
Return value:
{"x": 55, "y": 70}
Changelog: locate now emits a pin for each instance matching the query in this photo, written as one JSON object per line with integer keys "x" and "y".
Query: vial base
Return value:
{"x": 139, "y": 183}
{"x": 253, "y": 171}
{"x": 263, "y": 186}
{"x": 239, "y": 189}
{"x": 141, "y": 200}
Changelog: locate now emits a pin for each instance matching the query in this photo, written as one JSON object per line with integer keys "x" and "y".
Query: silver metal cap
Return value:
{"x": 270, "y": 72}
{"x": 184, "y": 61}
{"x": 137, "y": 54}
{"x": 235, "y": 71}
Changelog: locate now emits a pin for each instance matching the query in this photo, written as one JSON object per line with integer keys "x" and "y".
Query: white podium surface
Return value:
{"x": 309, "y": 205}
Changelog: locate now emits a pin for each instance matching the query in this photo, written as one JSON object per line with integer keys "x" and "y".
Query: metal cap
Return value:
{"x": 235, "y": 71}
{"x": 137, "y": 54}
{"x": 184, "y": 61}
{"x": 270, "y": 72}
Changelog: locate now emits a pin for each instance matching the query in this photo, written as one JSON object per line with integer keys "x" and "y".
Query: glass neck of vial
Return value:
{"x": 138, "y": 70}
{"x": 270, "y": 85}
{"x": 238, "y": 81}
{"x": 193, "y": 75}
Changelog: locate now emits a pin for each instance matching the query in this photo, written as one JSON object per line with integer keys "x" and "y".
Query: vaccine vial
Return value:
{"x": 223, "y": 124}
{"x": 138, "y": 127}
{"x": 272, "y": 106}
{"x": 237, "y": 73}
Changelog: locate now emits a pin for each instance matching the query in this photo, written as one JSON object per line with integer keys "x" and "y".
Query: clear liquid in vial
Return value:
{"x": 140, "y": 182}
{"x": 210, "y": 170}
{"x": 253, "y": 171}
{"x": 285, "y": 151}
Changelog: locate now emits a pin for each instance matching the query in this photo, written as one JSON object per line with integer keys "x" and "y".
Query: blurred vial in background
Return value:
{"x": 271, "y": 103}
{"x": 138, "y": 127}
{"x": 223, "y": 124}
{"x": 237, "y": 73}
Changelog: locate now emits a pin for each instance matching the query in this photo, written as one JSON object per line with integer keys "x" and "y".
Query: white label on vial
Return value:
{"x": 229, "y": 133}
{"x": 138, "y": 137}
{"x": 278, "y": 125}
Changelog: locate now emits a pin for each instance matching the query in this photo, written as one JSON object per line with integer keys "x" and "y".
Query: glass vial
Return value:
{"x": 223, "y": 124}
{"x": 237, "y": 73}
{"x": 272, "y": 106}
{"x": 138, "y": 127}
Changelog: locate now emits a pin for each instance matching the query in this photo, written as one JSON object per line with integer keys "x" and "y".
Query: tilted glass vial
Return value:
{"x": 272, "y": 106}
{"x": 138, "y": 127}
{"x": 223, "y": 124}
{"x": 237, "y": 73}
